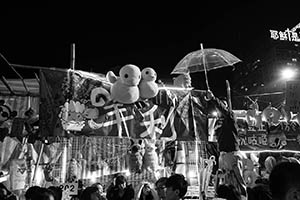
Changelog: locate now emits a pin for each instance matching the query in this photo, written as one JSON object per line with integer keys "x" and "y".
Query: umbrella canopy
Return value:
{"x": 205, "y": 59}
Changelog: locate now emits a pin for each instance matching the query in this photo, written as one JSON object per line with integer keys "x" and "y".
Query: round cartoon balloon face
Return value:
{"x": 4, "y": 113}
{"x": 271, "y": 115}
{"x": 149, "y": 74}
{"x": 130, "y": 75}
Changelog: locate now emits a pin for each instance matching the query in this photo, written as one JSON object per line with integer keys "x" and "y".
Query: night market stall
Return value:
{"x": 65, "y": 128}
{"x": 74, "y": 142}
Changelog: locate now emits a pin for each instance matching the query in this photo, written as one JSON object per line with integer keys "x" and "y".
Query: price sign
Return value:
{"x": 72, "y": 188}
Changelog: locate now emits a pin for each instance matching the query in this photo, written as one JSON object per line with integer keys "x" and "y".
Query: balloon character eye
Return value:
{"x": 4, "y": 114}
{"x": 147, "y": 72}
{"x": 126, "y": 75}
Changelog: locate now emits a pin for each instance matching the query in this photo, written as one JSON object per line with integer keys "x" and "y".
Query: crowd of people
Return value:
{"x": 282, "y": 183}
{"x": 171, "y": 188}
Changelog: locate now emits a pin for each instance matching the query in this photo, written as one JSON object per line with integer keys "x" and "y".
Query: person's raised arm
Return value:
{"x": 219, "y": 104}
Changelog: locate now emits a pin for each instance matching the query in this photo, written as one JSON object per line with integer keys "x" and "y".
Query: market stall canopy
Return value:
{"x": 16, "y": 87}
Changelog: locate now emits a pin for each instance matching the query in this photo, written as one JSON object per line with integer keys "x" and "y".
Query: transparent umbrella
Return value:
{"x": 205, "y": 60}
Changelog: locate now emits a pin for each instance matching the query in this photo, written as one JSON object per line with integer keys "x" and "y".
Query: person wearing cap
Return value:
{"x": 230, "y": 159}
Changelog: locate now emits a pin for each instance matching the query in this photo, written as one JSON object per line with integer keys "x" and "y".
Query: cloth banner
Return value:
{"x": 188, "y": 120}
{"x": 127, "y": 120}
{"x": 51, "y": 98}
{"x": 80, "y": 102}
{"x": 66, "y": 100}
{"x": 285, "y": 136}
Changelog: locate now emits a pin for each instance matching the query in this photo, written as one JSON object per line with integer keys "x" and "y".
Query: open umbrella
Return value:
{"x": 205, "y": 60}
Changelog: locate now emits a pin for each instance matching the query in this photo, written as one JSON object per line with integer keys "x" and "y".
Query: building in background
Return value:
{"x": 262, "y": 76}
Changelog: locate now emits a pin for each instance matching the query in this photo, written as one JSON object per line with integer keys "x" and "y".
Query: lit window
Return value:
{"x": 294, "y": 59}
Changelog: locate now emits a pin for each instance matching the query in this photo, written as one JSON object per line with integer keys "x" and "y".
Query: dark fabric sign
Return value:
{"x": 80, "y": 102}
{"x": 285, "y": 135}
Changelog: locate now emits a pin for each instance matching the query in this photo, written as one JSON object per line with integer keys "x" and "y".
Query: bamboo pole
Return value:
{"x": 72, "y": 57}
{"x": 37, "y": 163}
{"x": 38, "y": 67}
{"x": 262, "y": 94}
{"x": 17, "y": 73}
{"x": 4, "y": 81}
{"x": 198, "y": 167}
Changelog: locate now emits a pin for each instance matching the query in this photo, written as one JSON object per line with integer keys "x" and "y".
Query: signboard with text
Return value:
{"x": 287, "y": 35}
{"x": 71, "y": 188}
{"x": 283, "y": 136}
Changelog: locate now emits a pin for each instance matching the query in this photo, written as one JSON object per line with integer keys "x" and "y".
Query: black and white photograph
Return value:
{"x": 150, "y": 101}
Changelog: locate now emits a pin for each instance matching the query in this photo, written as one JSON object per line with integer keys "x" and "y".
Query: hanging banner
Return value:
{"x": 283, "y": 136}
{"x": 293, "y": 96}
{"x": 127, "y": 120}
{"x": 80, "y": 102}
{"x": 69, "y": 99}
{"x": 51, "y": 98}
{"x": 188, "y": 120}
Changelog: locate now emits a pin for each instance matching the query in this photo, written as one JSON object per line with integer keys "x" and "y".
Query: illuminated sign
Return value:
{"x": 287, "y": 35}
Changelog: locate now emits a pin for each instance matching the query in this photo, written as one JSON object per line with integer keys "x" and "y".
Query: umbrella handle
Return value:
{"x": 228, "y": 95}
{"x": 206, "y": 78}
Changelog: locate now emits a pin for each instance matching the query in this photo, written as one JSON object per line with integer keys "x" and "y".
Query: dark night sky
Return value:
{"x": 146, "y": 35}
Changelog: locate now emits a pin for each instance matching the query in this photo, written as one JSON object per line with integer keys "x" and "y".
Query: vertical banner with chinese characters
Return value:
{"x": 51, "y": 100}
{"x": 293, "y": 96}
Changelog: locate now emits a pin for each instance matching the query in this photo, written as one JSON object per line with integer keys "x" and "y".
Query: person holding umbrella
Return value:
{"x": 230, "y": 158}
